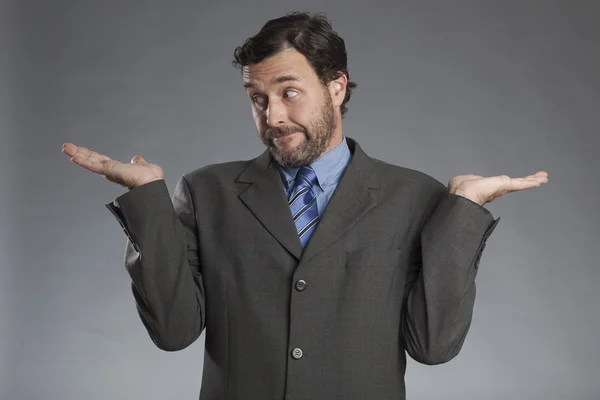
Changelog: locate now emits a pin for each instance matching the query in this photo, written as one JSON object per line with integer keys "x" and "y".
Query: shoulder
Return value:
{"x": 403, "y": 185}
{"x": 215, "y": 174}
{"x": 390, "y": 176}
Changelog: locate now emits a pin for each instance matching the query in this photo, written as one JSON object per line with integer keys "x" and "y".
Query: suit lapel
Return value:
{"x": 266, "y": 198}
{"x": 351, "y": 200}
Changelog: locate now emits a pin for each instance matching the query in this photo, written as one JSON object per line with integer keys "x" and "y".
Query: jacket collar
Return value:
{"x": 266, "y": 199}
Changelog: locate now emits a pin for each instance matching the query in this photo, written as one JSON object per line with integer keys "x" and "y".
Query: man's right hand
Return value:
{"x": 130, "y": 176}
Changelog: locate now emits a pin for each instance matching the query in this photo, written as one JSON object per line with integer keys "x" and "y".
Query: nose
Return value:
{"x": 276, "y": 113}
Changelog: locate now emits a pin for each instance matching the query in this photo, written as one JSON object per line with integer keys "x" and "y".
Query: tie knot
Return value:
{"x": 306, "y": 176}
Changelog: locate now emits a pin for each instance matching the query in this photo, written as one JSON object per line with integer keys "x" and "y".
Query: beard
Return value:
{"x": 317, "y": 136}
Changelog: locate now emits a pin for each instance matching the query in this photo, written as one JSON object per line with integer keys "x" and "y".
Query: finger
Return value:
{"x": 536, "y": 178}
{"x": 540, "y": 176}
{"x": 69, "y": 149}
{"x": 95, "y": 157}
{"x": 138, "y": 160}
{"x": 500, "y": 185}
{"x": 84, "y": 162}
{"x": 85, "y": 152}
{"x": 515, "y": 184}
{"x": 99, "y": 167}
{"x": 92, "y": 160}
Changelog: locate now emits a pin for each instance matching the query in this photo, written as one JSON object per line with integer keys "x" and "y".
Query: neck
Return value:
{"x": 337, "y": 135}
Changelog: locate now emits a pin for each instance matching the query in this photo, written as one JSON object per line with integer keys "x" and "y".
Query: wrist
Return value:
{"x": 466, "y": 196}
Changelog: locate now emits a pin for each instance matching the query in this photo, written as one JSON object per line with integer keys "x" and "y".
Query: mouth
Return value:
{"x": 284, "y": 135}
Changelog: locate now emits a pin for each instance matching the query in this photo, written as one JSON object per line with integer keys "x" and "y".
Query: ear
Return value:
{"x": 337, "y": 89}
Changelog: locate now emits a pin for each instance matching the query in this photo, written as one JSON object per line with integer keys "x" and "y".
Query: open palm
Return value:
{"x": 138, "y": 173}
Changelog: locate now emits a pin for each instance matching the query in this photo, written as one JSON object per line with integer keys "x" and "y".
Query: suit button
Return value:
{"x": 297, "y": 354}
{"x": 300, "y": 285}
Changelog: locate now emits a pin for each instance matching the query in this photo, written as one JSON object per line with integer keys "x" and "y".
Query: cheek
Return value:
{"x": 302, "y": 113}
{"x": 259, "y": 117}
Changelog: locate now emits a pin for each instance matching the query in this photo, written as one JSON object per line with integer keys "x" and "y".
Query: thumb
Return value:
{"x": 138, "y": 160}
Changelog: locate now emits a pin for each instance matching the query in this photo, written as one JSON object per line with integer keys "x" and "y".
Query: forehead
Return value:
{"x": 288, "y": 62}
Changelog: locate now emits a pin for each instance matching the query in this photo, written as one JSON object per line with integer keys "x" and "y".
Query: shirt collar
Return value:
{"x": 328, "y": 168}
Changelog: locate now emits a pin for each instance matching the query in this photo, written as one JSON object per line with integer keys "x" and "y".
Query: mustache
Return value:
{"x": 276, "y": 132}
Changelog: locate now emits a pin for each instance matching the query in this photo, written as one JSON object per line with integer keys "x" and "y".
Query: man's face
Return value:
{"x": 293, "y": 111}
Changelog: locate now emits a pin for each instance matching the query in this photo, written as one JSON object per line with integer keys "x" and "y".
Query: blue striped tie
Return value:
{"x": 303, "y": 204}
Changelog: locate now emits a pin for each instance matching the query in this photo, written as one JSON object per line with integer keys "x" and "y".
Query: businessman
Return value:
{"x": 314, "y": 268}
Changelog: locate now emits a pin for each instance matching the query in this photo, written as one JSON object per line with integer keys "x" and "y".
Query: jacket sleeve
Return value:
{"x": 162, "y": 259}
{"x": 438, "y": 307}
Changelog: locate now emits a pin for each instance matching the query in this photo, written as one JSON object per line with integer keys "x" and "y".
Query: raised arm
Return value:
{"x": 161, "y": 256}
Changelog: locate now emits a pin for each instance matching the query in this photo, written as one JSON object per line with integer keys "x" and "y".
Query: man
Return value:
{"x": 313, "y": 267}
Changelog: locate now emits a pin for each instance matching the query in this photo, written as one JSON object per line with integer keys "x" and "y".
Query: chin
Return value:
{"x": 291, "y": 142}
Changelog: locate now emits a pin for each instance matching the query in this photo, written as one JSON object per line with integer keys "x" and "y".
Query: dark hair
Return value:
{"x": 310, "y": 34}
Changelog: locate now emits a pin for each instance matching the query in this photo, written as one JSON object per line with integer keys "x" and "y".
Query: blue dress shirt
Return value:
{"x": 329, "y": 170}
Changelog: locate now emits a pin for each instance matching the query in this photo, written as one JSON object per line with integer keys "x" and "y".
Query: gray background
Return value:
{"x": 446, "y": 87}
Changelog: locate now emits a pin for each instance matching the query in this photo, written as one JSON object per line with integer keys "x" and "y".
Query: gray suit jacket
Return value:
{"x": 390, "y": 268}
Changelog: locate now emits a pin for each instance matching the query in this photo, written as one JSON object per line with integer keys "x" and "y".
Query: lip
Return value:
{"x": 284, "y": 136}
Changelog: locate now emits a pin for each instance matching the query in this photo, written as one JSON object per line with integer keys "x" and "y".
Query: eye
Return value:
{"x": 260, "y": 101}
{"x": 293, "y": 93}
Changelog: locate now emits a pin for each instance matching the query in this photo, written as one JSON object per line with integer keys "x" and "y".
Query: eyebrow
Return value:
{"x": 279, "y": 79}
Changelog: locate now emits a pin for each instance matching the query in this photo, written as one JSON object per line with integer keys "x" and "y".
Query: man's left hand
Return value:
{"x": 484, "y": 190}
